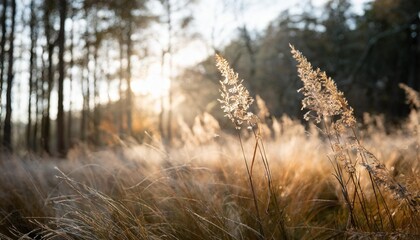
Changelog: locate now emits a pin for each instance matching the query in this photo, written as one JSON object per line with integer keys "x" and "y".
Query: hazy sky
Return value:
{"x": 217, "y": 21}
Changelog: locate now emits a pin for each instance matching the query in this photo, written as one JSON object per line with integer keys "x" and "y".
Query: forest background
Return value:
{"x": 103, "y": 73}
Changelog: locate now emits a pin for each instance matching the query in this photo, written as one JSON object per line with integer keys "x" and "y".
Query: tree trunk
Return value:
{"x": 108, "y": 73}
{"x": 128, "y": 91}
{"x": 69, "y": 115}
{"x": 38, "y": 96}
{"x": 2, "y": 55}
{"x": 96, "y": 112}
{"x": 46, "y": 122}
{"x": 85, "y": 108}
{"x": 162, "y": 102}
{"x": 32, "y": 74}
{"x": 86, "y": 90}
{"x": 7, "y": 135}
{"x": 167, "y": 133}
{"x": 170, "y": 94}
{"x": 120, "y": 102}
{"x": 41, "y": 99}
{"x": 61, "y": 147}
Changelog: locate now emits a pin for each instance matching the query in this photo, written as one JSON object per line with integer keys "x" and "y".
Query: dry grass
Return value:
{"x": 364, "y": 180}
{"x": 197, "y": 193}
{"x": 278, "y": 180}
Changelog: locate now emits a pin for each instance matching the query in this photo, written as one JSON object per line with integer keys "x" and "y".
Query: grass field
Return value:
{"x": 196, "y": 192}
{"x": 283, "y": 180}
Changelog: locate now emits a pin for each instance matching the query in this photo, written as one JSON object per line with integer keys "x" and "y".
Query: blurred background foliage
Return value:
{"x": 367, "y": 55}
{"x": 72, "y": 65}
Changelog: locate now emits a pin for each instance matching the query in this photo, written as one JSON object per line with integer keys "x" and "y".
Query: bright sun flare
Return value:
{"x": 154, "y": 84}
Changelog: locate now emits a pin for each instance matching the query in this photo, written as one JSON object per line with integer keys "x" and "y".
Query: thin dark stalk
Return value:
{"x": 361, "y": 198}
{"x": 364, "y": 201}
{"x": 254, "y": 155}
{"x": 391, "y": 220}
{"x": 358, "y": 190}
{"x": 254, "y": 196}
{"x": 339, "y": 176}
{"x": 271, "y": 192}
{"x": 376, "y": 200}
{"x": 373, "y": 183}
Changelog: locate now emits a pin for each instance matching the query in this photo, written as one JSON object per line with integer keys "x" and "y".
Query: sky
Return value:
{"x": 217, "y": 21}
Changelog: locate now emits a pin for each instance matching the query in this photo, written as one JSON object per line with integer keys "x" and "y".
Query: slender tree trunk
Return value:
{"x": 61, "y": 147}
{"x": 84, "y": 109}
{"x": 167, "y": 135}
{"x": 47, "y": 119}
{"x": 29, "y": 126}
{"x": 7, "y": 136}
{"x": 38, "y": 96}
{"x": 46, "y": 122}
{"x": 108, "y": 74}
{"x": 96, "y": 111}
{"x": 170, "y": 94}
{"x": 120, "y": 102}
{"x": 2, "y": 55}
{"x": 86, "y": 90}
{"x": 42, "y": 99}
{"x": 128, "y": 91}
{"x": 162, "y": 101}
{"x": 71, "y": 65}
{"x": 170, "y": 100}
{"x": 32, "y": 75}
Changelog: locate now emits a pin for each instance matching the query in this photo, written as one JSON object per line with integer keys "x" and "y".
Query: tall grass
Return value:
{"x": 235, "y": 103}
{"x": 368, "y": 209}
{"x": 276, "y": 179}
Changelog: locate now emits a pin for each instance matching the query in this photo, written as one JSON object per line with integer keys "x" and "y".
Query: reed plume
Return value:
{"x": 412, "y": 96}
{"x": 235, "y": 100}
{"x": 328, "y": 107}
{"x": 322, "y": 98}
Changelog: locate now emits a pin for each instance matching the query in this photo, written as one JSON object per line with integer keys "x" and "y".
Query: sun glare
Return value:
{"x": 154, "y": 84}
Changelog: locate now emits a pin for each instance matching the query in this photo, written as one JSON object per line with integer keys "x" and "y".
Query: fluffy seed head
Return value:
{"x": 322, "y": 98}
{"x": 412, "y": 96}
{"x": 235, "y": 98}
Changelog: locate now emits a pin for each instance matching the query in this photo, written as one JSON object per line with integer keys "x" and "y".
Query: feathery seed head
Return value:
{"x": 235, "y": 98}
{"x": 322, "y": 98}
{"x": 412, "y": 96}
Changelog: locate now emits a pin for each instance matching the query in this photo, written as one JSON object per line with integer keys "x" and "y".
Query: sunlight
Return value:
{"x": 153, "y": 85}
